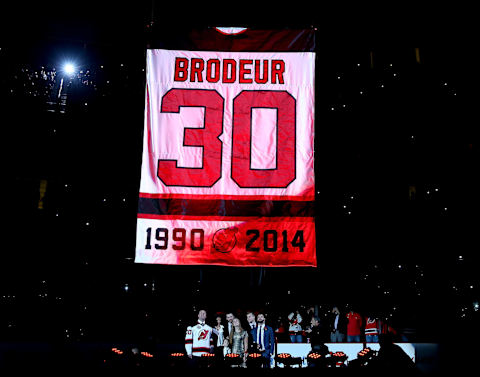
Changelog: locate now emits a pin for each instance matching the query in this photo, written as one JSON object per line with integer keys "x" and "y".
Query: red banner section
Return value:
{"x": 227, "y": 174}
{"x": 229, "y": 241}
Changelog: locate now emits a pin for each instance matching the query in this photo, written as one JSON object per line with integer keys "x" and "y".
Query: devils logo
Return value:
{"x": 224, "y": 240}
{"x": 203, "y": 334}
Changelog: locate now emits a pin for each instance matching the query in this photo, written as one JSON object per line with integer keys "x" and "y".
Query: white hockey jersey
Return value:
{"x": 198, "y": 339}
{"x": 295, "y": 320}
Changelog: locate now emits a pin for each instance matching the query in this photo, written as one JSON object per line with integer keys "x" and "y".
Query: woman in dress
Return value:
{"x": 239, "y": 341}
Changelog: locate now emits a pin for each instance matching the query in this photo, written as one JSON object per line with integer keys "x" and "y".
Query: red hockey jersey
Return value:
{"x": 371, "y": 326}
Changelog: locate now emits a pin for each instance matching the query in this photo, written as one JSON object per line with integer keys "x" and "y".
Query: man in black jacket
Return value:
{"x": 316, "y": 334}
{"x": 338, "y": 326}
{"x": 251, "y": 325}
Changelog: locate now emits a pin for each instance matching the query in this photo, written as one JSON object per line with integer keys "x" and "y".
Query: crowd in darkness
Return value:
{"x": 42, "y": 86}
{"x": 28, "y": 82}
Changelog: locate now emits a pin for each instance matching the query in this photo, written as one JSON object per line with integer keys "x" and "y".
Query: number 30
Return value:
{"x": 207, "y": 138}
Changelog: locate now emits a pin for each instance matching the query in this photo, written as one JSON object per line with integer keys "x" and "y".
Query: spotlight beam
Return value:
{"x": 69, "y": 68}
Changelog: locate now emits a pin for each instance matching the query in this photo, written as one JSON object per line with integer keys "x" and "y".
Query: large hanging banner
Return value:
{"x": 228, "y": 173}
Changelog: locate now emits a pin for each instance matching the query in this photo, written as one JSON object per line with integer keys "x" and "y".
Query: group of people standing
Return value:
{"x": 336, "y": 327}
{"x": 230, "y": 337}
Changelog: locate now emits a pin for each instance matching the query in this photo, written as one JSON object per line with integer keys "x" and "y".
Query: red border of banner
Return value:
{"x": 304, "y": 198}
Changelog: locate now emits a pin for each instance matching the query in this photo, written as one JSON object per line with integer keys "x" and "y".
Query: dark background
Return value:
{"x": 396, "y": 174}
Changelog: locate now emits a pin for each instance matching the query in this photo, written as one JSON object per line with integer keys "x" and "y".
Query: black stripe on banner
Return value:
{"x": 219, "y": 207}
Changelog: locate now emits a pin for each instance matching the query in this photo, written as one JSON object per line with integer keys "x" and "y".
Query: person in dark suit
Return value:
{"x": 338, "y": 326}
{"x": 317, "y": 335}
{"x": 251, "y": 325}
{"x": 229, "y": 325}
{"x": 264, "y": 339}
